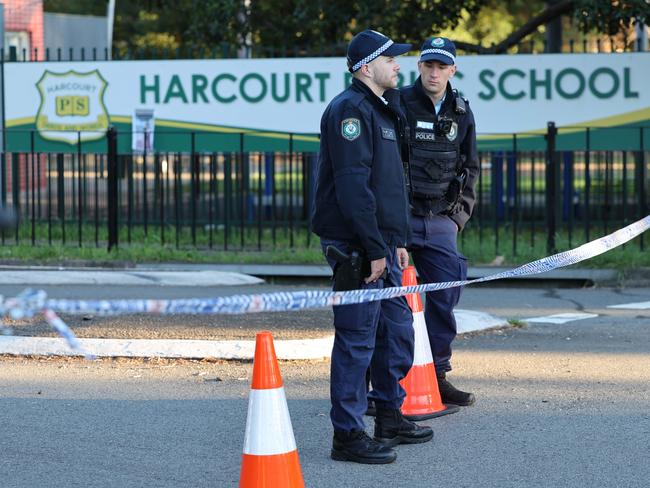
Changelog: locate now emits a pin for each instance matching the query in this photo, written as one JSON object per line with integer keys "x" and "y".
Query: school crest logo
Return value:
{"x": 72, "y": 106}
{"x": 437, "y": 42}
{"x": 350, "y": 129}
{"x": 453, "y": 132}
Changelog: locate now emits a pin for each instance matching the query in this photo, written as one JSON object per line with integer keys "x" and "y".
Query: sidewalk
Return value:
{"x": 226, "y": 274}
{"x": 586, "y": 276}
{"x": 195, "y": 277}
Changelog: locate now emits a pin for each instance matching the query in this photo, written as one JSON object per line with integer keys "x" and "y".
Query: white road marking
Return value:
{"x": 472, "y": 320}
{"x": 561, "y": 318}
{"x": 632, "y": 306}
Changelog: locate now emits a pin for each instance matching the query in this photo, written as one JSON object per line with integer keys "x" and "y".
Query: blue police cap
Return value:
{"x": 368, "y": 45}
{"x": 438, "y": 49}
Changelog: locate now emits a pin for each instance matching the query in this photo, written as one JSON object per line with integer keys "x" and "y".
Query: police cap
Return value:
{"x": 438, "y": 49}
{"x": 368, "y": 45}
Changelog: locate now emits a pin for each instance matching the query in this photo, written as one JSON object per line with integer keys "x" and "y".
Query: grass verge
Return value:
{"x": 280, "y": 247}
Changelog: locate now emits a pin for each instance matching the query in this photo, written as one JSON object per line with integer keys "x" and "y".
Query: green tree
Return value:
{"x": 299, "y": 23}
{"x": 212, "y": 24}
{"x": 325, "y": 23}
{"x": 608, "y": 17}
{"x": 480, "y": 26}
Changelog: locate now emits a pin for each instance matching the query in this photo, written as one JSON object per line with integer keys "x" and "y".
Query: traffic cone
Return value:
{"x": 422, "y": 395}
{"x": 270, "y": 456}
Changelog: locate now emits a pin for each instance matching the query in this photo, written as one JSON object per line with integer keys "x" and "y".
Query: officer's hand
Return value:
{"x": 402, "y": 257}
{"x": 377, "y": 267}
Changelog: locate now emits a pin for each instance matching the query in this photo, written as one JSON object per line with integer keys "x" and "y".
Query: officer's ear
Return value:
{"x": 452, "y": 70}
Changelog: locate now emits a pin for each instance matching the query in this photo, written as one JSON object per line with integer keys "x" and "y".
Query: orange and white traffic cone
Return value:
{"x": 422, "y": 395}
{"x": 270, "y": 456}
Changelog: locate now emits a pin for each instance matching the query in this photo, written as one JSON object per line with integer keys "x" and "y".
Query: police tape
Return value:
{"x": 30, "y": 302}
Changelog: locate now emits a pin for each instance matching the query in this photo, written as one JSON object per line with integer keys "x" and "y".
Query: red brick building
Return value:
{"x": 25, "y": 32}
{"x": 24, "y": 28}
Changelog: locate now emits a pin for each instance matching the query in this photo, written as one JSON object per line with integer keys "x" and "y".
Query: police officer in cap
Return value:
{"x": 443, "y": 169}
{"x": 361, "y": 216}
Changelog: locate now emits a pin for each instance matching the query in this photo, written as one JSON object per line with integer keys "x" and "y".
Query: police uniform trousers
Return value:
{"x": 378, "y": 335}
{"x": 436, "y": 258}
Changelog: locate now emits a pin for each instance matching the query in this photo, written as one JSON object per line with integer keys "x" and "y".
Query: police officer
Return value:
{"x": 443, "y": 169}
{"x": 361, "y": 215}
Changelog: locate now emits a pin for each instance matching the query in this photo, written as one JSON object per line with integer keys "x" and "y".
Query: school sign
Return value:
{"x": 277, "y": 103}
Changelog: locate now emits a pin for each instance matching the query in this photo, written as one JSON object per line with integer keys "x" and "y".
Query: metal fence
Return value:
{"x": 555, "y": 195}
{"x": 254, "y": 200}
{"x": 212, "y": 200}
{"x": 227, "y": 51}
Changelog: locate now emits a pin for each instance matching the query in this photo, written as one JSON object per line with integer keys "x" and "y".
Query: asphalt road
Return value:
{"x": 558, "y": 405}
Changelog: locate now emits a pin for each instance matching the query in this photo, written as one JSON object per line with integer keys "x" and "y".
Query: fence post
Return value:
{"x": 195, "y": 176}
{"x": 111, "y": 137}
{"x": 642, "y": 178}
{"x": 551, "y": 186}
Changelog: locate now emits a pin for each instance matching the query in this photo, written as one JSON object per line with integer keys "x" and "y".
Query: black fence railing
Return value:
{"x": 561, "y": 197}
{"x": 254, "y": 200}
{"x": 228, "y": 51}
{"x": 210, "y": 200}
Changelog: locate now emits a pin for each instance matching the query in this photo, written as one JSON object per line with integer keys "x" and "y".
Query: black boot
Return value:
{"x": 449, "y": 394}
{"x": 391, "y": 428}
{"x": 358, "y": 447}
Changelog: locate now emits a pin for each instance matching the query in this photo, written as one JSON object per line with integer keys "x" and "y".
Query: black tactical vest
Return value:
{"x": 434, "y": 156}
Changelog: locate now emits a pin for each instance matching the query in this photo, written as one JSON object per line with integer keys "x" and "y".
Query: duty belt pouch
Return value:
{"x": 350, "y": 269}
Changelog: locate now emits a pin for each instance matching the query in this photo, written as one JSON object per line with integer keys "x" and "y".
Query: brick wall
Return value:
{"x": 26, "y": 15}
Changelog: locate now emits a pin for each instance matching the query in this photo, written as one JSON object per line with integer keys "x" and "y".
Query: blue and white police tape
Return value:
{"x": 30, "y": 302}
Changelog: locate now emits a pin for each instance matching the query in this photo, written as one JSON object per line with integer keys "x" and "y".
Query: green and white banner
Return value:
{"x": 268, "y": 99}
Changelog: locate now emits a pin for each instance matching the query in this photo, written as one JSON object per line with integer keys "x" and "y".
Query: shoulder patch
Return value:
{"x": 350, "y": 129}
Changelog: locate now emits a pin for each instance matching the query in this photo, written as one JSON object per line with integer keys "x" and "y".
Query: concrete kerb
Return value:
{"x": 293, "y": 349}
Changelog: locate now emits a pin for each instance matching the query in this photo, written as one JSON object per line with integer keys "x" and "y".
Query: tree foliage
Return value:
{"x": 213, "y": 23}
{"x": 610, "y": 17}
{"x": 489, "y": 26}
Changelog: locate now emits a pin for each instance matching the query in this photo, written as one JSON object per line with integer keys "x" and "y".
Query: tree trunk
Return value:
{"x": 553, "y": 31}
{"x": 553, "y": 10}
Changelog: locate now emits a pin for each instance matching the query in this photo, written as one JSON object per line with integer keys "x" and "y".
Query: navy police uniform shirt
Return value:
{"x": 360, "y": 193}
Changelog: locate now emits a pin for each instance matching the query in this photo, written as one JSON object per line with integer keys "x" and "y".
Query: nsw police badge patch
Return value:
{"x": 453, "y": 132}
{"x": 350, "y": 129}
